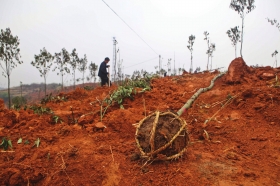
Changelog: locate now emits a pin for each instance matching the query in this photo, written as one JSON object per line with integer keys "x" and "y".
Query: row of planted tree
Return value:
{"x": 242, "y": 7}
{"x": 65, "y": 63}
{"x": 62, "y": 62}
{"x": 70, "y": 62}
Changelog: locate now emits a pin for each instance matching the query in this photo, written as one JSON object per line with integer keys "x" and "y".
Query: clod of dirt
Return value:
{"x": 237, "y": 72}
{"x": 2, "y": 105}
{"x": 134, "y": 157}
{"x": 162, "y": 136}
{"x": 99, "y": 126}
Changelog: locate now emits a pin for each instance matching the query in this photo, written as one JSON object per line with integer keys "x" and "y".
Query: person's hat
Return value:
{"x": 107, "y": 59}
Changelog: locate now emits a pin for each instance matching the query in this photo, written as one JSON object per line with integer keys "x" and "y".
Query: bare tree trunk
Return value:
{"x": 62, "y": 81}
{"x": 235, "y": 50}
{"x": 195, "y": 96}
{"x": 9, "y": 93}
{"x": 191, "y": 69}
{"x": 208, "y": 55}
{"x": 211, "y": 63}
{"x": 45, "y": 85}
{"x": 242, "y": 36}
{"x": 83, "y": 78}
{"x": 74, "y": 80}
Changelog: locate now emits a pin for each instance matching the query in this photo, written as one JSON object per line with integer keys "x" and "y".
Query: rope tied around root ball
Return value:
{"x": 164, "y": 136}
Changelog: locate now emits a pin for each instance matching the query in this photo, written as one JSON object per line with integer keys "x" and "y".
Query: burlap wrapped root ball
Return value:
{"x": 162, "y": 136}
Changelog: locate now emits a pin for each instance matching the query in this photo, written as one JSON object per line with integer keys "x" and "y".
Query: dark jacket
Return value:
{"x": 102, "y": 73}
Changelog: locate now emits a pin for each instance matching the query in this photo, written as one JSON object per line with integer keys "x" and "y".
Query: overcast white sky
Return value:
{"x": 89, "y": 26}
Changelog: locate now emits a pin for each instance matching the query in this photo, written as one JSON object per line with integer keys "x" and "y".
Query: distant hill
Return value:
{"x": 35, "y": 91}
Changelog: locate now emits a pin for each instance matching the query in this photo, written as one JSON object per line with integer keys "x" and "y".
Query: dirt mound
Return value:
{"x": 2, "y": 105}
{"x": 237, "y": 72}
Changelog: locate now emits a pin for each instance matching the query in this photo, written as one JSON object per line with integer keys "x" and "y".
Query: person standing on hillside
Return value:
{"x": 102, "y": 73}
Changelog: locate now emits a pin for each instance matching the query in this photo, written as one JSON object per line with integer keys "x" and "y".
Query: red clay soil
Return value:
{"x": 243, "y": 146}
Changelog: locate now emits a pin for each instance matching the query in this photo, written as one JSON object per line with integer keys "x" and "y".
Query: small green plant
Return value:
{"x": 72, "y": 119}
{"x": 88, "y": 87}
{"x": 40, "y": 110}
{"x": 56, "y": 119}
{"x": 26, "y": 142}
{"x": 50, "y": 98}
{"x": 6, "y": 143}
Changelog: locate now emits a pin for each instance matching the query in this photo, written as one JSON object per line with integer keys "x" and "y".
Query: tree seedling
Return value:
{"x": 6, "y": 143}
{"x": 83, "y": 66}
{"x": 190, "y": 47}
{"x": 234, "y": 36}
{"x": 206, "y": 37}
{"x": 74, "y": 62}
{"x": 242, "y": 7}
{"x": 9, "y": 55}
{"x": 62, "y": 59}
{"x": 275, "y": 54}
{"x": 92, "y": 69}
{"x": 72, "y": 119}
{"x": 56, "y": 119}
{"x": 43, "y": 63}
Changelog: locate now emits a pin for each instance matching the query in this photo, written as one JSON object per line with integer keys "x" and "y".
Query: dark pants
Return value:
{"x": 105, "y": 81}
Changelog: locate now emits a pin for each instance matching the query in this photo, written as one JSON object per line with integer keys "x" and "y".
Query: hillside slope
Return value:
{"x": 242, "y": 149}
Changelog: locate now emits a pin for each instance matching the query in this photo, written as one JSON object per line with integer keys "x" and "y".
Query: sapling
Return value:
{"x": 62, "y": 60}
{"x": 207, "y": 38}
{"x": 242, "y": 7}
{"x": 93, "y": 69}
{"x": 212, "y": 48}
{"x": 169, "y": 66}
{"x": 43, "y": 63}
{"x": 9, "y": 55}
{"x": 74, "y": 62}
{"x": 190, "y": 47}
{"x": 83, "y": 67}
{"x": 275, "y": 54}
{"x": 234, "y": 35}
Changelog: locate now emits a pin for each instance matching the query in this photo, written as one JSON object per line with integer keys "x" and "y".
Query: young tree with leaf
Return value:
{"x": 169, "y": 66}
{"x": 274, "y": 22}
{"x": 207, "y": 38}
{"x": 92, "y": 70}
{"x": 62, "y": 60}
{"x": 275, "y": 54}
{"x": 234, "y": 36}
{"x": 74, "y": 62}
{"x": 212, "y": 48}
{"x": 242, "y": 7}
{"x": 190, "y": 47}
{"x": 43, "y": 63}
{"x": 83, "y": 66}
{"x": 9, "y": 55}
